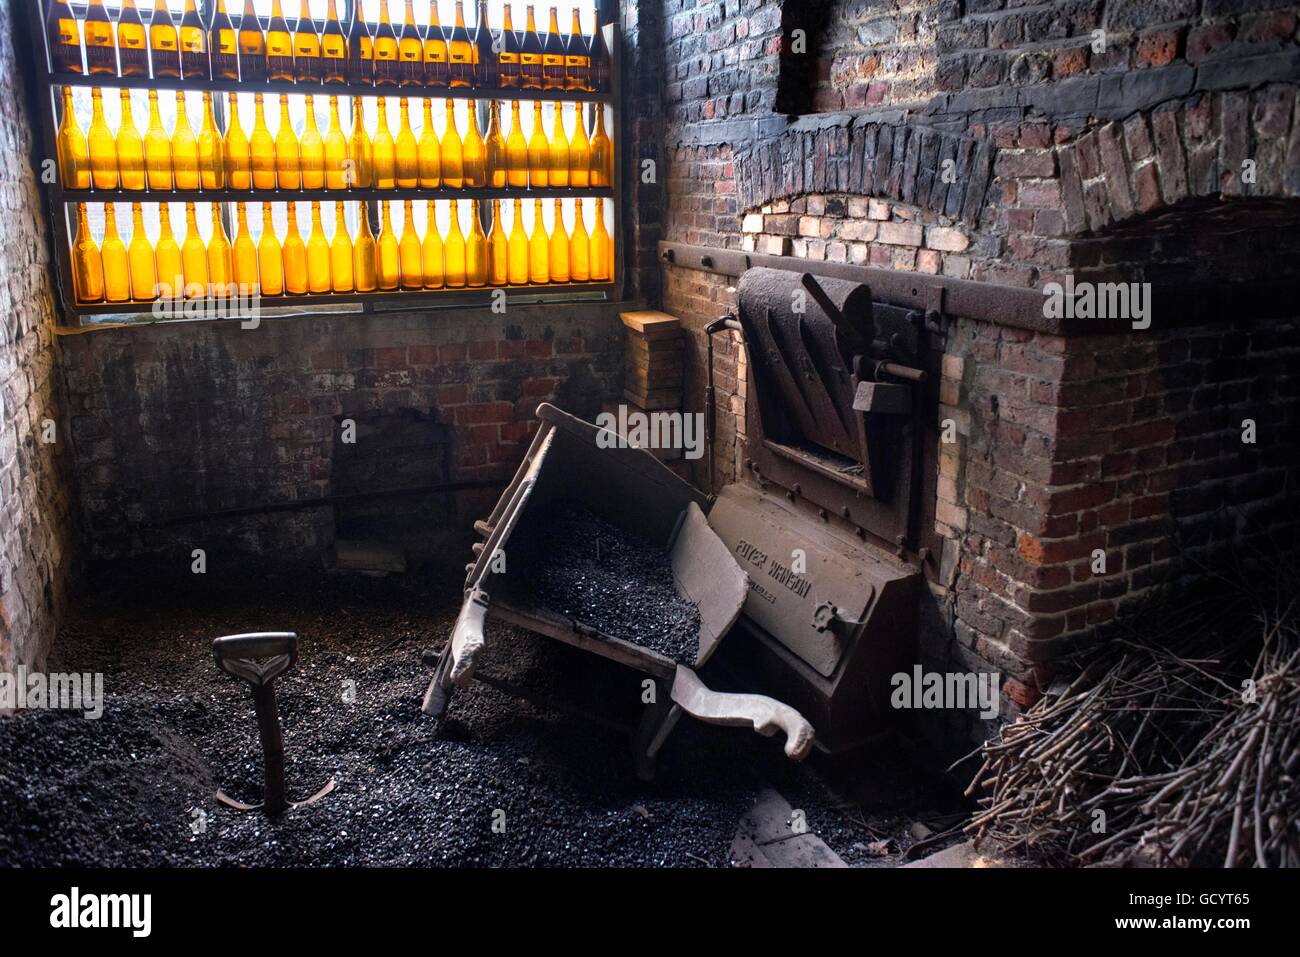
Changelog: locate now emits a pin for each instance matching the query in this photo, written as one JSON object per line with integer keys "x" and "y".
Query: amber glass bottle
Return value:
{"x": 553, "y": 56}
{"x": 144, "y": 271}
{"x": 306, "y": 48}
{"x": 495, "y": 149}
{"x": 244, "y": 253}
{"x": 270, "y": 259}
{"x": 364, "y": 254}
{"x": 387, "y": 69}
{"x": 74, "y": 153}
{"x": 477, "y": 260}
{"x": 473, "y": 152}
{"x": 87, "y": 267}
{"x": 577, "y": 56}
{"x": 333, "y": 50}
{"x": 517, "y": 247}
{"x": 539, "y": 249}
{"x": 361, "y": 49}
{"x": 295, "y": 255}
{"x": 117, "y": 269}
{"x": 508, "y": 58}
{"x": 252, "y": 46}
{"x": 194, "y": 257}
{"x": 361, "y": 171}
{"x": 185, "y": 148}
{"x": 195, "y": 63}
{"x": 436, "y": 67}
{"x": 460, "y": 51}
{"x": 530, "y": 54}
{"x": 559, "y": 155}
{"x": 132, "y": 41}
{"x": 64, "y": 33}
{"x": 221, "y": 269}
{"x": 539, "y": 152}
{"x": 516, "y": 152}
{"x": 559, "y": 252}
{"x": 430, "y": 164}
{"x": 384, "y": 151}
{"x": 239, "y": 169}
{"x": 598, "y": 58}
{"x": 130, "y": 148}
{"x": 601, "y": 257}
{"x": 318, "y": 255}
{"x": 579, "y": 150}
{"x": 101, "y": 50}
{"x": 336, "y": 150}
{"x": 311, "y": 149}
{"x": 100, "y": 145}
{"x": 340, "y": 254}
{"x": 164, "y": 43}
{"x": 579, "y": 246}
{"x": 454, "y": 251}
{"x": 407, "y": 162}
{"x": 212, "y": 166}
{"x": 167, "y": 256}
{"x": 261, "y": 147}
{"x": 431, "y": 254}
{"x": 408, "y": 251}
{"x": 410, "y": 50}
{"x": 288, "y": 160}
{"x": 487, "y": 63}
{"x": 450, "y": 153}
{"x": 498, "y": 249}
{"x": 223, "y": 42}
{"x": 279, "y": 46}
{"x": 601, "y": 154}
{"x": 387, "y": 255}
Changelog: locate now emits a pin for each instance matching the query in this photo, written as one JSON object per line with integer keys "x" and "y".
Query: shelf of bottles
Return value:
{"x": 344, "y": 154}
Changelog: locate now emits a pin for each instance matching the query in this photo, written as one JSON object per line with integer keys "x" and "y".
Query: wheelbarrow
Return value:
{"x": 570, "y": 460}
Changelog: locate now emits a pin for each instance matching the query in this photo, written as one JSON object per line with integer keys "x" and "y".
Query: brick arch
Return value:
{"x": 1189, "y": 150}
{"x": 895, "y": 161}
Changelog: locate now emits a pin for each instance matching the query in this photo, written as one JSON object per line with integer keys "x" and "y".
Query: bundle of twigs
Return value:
{"x": 1176, "y": 743}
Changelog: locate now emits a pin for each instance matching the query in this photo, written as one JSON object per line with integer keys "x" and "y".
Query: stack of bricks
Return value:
{"x": 653, "y": 372}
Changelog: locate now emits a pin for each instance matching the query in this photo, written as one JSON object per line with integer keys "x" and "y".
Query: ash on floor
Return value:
{"x": 135, "y": 787}
{"x": 588, "y": 569}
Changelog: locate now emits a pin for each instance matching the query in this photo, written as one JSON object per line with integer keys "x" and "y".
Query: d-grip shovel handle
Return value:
{"x": 257, "y": 657}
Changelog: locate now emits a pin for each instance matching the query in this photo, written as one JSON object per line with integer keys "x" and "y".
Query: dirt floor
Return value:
{"x": 136, "y": 786}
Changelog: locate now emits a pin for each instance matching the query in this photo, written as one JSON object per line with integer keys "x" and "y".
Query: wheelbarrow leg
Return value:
{"x": 657, "y": 722}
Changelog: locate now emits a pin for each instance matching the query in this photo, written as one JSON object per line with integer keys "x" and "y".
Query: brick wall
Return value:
{"x": 35, "y": 526}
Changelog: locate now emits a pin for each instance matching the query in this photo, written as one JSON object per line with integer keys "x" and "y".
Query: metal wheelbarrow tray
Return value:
{"x": 571, "y": 460}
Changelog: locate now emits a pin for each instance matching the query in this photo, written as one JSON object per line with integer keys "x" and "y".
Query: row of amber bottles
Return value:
{"x": 388, "y": 53}
{"x": 211, "y": 159}
{"x": 115, "y": 271}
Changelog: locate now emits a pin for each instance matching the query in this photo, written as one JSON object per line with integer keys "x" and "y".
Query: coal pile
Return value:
{"x": 588, "y": 569}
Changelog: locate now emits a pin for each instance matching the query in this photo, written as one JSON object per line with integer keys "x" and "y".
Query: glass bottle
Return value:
{"x": 223, "y": 42}
{"x": 517, "y": 247}
{"x": 185, "y": 148}
{"x": 559, "y": 155}
{"x": 244, "y": 254}
{"x": 454, "y": 251}
{"x": 495, "y": 149}
{"x": 539, "y": 152}
{"x": 559, "y": 252}
{"x": 252, "y": 46}
{"x": 164, "y": 42}
{"x": 117, "y": 269}
{"x": 477, "y": 264}
{"x": 473, "y": 153}
{"x": 312, "y": 150}
{"x": 384, "y": 151}
{"x": 516, "y": 152}
{"x": 87, "y": 266}
{"x": 408, "y": 251}
{"x": 132, "y": 41}
{"x": 364, "y": 254}
{"x": 579, "y": 246}
{"x": 130, "y": 148}
{"x": 235, "y": 150}
{"x": 553, "y": 55}
{"x": 157, "y": 148}
{"x": 410, "y": 50}
{"x": 195, "y": 64}
{"x": 498, "y": 249}
{"x": 508, "y": 58}
{"x": 306, "y": 48}
{"x": 601, "y": 257}
{"x": 387, "y": 256}
{"x": 539, "y": 249}
{"x": 167, "y": 256}
{"x": 579, "y": 150}
{"x": 577, "y": 56}
{"x": 101, "y": 50}
{"x": 194, "y": 257}
{"x": 450, "y": 154}
{"x": 431, "y": 253}
{"x": 460, "y": 51}
{"x": 430, "y": 164}
{"x": 487, "y": 64}
{"x": 212, "y": 166}
{"x": 295, "y": 255}
{"x": 261, "y": 148}
{"x": 387, "y": 69}
{"x": 601, "y": 155}
{"x": 336, "y": 151}
{"x": 100, "y": 145}
{"x": 288, "y": 161}
{"x": 530, "y": 54}
{"x": 64, "y": 33}
{"x": 436, "y": 68}
{"x": 598, "y": 59}
{"x": 406, "y": 159}
{"x": 340, "y": 254}
{"x": 318, "y": 255}
{"x": 74, "y": 153}
{"x": 270, "y": 259}
{"x": 221, "y": 271}
{"x": 334, "y": 52}
{"x": 361, "y": 172}
{"x": 361, "y": 49}
{"x": 279, "y": 46}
